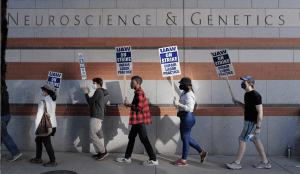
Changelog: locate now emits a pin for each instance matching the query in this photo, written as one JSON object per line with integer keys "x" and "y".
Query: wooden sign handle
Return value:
{"x": 125, "y": 90}
{"x": 125, "y": 87}
{"x": 84, "y": 84}
{"x": 172, "y": 81}
{"x": 229, "y": 88}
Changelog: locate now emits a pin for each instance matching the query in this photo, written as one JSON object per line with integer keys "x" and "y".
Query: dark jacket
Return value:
{"x": 5, "y": 104}
{"x": 97, "y": 103}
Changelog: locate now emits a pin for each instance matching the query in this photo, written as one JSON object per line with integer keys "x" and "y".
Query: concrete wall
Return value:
{"x": 217, "y": 135}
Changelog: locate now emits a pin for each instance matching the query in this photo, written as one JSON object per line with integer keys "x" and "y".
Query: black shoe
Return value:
{"x": 97, "y": 155}
{"x": 50, "y": 164}
{"x": 34, "y": 160}
{"x": 102, "y": 156}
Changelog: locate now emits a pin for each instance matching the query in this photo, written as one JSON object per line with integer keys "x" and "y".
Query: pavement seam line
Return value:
{"x": 280, "y": 166}
{"x": 17, "y": 168}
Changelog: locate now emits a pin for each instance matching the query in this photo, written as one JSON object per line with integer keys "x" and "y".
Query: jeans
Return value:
{"x": 39, "y": 140}
{"x": 7, "y": 139}
{"x": 187, "y": 121}
{"x": 141, "y": 130}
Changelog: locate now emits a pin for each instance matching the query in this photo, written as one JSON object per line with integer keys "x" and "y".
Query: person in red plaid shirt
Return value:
{"x": 139, "y": 117}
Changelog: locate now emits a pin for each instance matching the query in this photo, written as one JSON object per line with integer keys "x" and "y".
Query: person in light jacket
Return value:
{"x": 48, "y": 92}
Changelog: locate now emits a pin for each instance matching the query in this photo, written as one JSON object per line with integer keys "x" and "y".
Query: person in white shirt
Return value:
{"x": 185, "y": 108}
{"x": 48, "y": 92}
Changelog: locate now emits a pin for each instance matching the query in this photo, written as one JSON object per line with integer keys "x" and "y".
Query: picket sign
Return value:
{"x": 223, "y": 66}
{"x": 54, "y": 79}
{"x": 124, "y": 63}
{"x": 82, "y": 67}
{"x": 170, "y": 64}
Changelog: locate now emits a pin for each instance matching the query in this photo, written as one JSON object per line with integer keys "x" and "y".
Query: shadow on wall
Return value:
{"x": 169, "y": 129}
{"x": 77, "y": 128}
{"x": 113, "y": 121}
{"x": 155, "y": 112}
{"x": 26, "y": 125}
{"x": 21, "y": 128}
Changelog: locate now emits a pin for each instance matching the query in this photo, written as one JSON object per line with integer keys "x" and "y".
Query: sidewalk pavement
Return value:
{"x": 83, "y": 163}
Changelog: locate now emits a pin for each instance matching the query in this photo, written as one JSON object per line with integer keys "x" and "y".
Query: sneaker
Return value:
{"x": 150, "y": 163}
{"x": 122, "y": 160}
{"x": 262, "y": 165}
{"x": 102, "y": 156}
{"x": 233, "y": 165}
{"x": 14, "y": 158}
{"x": 180, "y": 163}
{"x": 34, "y": 160}
{"x": 203, "y": 156}
{"x": 50, "y": 164}
{"x": 96, "y": 155}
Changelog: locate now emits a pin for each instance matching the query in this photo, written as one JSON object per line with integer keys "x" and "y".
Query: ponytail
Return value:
{"x": 188, "y": 88}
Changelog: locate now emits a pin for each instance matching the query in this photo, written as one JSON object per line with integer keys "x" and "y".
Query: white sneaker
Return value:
{"x": 150, "y": 163}
{"x": 233, "y": 165}
{"x": 122, "y": 160}
{"x": 14, "y": 158}
{"x": 262, "y": 165}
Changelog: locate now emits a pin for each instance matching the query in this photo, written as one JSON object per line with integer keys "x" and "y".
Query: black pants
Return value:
{"x": 39, "y": 147}
{"x": 141, "y": 130}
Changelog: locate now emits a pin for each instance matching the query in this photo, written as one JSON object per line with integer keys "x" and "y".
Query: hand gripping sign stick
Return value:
{"x": 170, "y": 64}
{"x": 223, "y": 66}
{"x": 124, "y": 63}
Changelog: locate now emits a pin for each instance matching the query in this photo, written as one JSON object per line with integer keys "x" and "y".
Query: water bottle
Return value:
{"x": 289, "y": 151}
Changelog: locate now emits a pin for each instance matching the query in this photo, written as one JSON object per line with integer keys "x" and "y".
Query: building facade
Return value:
{"x": 262, "y": 38}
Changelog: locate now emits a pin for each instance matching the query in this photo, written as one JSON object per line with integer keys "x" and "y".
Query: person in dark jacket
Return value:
{"x": 97, "y": 113}
{"x": 6, "y": 139}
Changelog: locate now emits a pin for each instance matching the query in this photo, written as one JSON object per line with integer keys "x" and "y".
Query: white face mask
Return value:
{"x": 94, "y": 86}
{"x": 42, "y": 93}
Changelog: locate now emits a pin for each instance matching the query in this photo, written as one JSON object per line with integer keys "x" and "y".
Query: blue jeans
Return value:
{"x": 7, "y": 140}
{"x": 187, "y": 121}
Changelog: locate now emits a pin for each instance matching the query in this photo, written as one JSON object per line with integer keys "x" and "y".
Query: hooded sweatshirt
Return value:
{"x": 97, "y": 103}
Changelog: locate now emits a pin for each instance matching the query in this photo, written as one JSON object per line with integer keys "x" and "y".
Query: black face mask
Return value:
{"x": 243, "y": 85}
{"x": 181, "y": 87}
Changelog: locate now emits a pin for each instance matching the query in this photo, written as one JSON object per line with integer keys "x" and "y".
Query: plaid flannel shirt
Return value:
{"x": 139, "y": 112}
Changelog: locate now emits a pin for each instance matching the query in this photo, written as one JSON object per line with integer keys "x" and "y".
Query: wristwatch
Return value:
{"x": 257, "y": 127}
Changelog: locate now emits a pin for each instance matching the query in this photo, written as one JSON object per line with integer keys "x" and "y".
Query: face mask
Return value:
{"x": 42, "y": 93}
{"x": 243, "y": 85}
{"x": 94, "y": 86}
{"x": 181, "y": 87}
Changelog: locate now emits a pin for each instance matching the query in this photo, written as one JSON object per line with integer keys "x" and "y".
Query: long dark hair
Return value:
{"x": 51, "y": 93}
{"x": 188, "y": 88}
